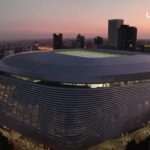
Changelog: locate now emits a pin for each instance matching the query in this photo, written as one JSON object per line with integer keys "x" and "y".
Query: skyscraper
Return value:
{"x": 57, "y": 41}
{"x": 127, "y": 37}
{"x": 113, "y": 26}
{"x": 80, "y": 41}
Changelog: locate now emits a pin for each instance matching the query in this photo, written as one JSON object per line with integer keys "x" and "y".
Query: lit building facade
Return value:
{"x": 71, "y": 102}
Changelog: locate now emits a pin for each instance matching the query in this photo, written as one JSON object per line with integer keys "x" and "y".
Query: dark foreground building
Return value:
{"x": 127, "y": 37}
{"x": 57, "y": 41}
{"x": 71, "y": 102}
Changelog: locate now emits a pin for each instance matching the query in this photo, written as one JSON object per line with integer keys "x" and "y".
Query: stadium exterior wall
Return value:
{"x": 72, "y": 118}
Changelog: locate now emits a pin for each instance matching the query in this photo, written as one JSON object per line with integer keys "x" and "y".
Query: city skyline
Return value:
{"x": 38, "y": 19}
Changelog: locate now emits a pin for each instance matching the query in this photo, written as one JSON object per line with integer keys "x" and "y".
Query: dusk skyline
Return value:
{"x": 38, "y": 19}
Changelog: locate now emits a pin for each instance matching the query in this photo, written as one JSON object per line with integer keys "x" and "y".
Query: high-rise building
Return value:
{"x": 113, "y": 26}
{"x": 98, "y": 41}
{"x": 57, "y": 41}
{"x": 127, "y": 37}
{"x": 80, "y": 41}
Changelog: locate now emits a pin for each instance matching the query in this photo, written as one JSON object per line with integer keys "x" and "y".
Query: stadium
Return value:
{"x": 74, "y": 99}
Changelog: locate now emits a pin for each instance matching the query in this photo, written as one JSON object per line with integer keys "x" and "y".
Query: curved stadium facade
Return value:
{"x": 71, "y": 102}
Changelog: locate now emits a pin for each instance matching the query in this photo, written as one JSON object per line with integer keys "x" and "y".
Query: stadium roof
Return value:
{"x": 56, "y": 67}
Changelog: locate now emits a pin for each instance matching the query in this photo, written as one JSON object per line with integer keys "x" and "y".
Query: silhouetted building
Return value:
{"x": 98, "y": 41}
{"x": 58, "y": 41}
{"x": 113, "y": 26}
{"x": 80, "y": 41}
{"x": 127, "y": 37}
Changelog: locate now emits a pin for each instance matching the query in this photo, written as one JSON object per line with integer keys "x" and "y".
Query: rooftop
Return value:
{"x": 60, "y": 66}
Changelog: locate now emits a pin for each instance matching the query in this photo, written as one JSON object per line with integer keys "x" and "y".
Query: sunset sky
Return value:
{"x": 22, "y": 19}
